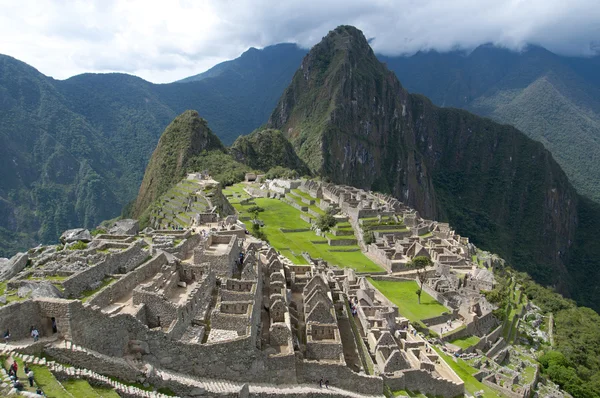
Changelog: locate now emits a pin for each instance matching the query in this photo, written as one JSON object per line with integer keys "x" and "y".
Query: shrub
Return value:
{"x": 80, "y": 245}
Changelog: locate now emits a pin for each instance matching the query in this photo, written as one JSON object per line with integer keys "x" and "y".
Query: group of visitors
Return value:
{"x": 14, "y": 377}
{"x": 326, "y": 383}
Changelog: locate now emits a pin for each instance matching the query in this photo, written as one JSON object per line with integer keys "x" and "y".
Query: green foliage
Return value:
{"x": 574, "y": 362}
{"x": 255, "y": 209}
{"x": 420, "y": 262}
{"x": 97, "y": 231}
{"x": 79, "y": 245}
{"x": 268, "y": 150}
{"x": 325, "y": 222}
{"x": 369, "y": 237}
{"x": 281, "y": 172}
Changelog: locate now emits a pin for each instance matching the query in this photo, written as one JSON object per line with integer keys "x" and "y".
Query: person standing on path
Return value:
{"x": 327, "y": 384}
{"x": 321, "y": 383}
{"x": 6, "y": 336}
{"x": 30, "y": 378}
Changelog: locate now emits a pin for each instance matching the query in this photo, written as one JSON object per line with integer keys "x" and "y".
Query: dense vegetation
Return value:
{"x": 266, "y": 149}
{"x": 73, "y": 152}
{"x": 553, "y": 99}
{"x": 574, "y": 360}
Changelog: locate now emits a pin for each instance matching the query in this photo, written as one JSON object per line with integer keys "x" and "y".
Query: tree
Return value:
{"x": 420, "y": 263}
{"x": 326, "y": 221}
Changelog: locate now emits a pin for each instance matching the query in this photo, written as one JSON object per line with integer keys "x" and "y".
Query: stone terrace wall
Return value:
{"x": 116, "y": 367}
{"x": 436, "y": 320}
{"x": 18, "y": 318}
{"x": 425, "y": 383}
{"x": 110, "y": 335}
{"x": 127, "y": 283}
{"x": 339, "y": 376}
{"x": 81, "y": 281}
{"x": 188, "y": 245}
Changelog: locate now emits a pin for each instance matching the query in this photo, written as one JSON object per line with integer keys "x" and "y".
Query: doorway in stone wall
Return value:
{"x": 53, "y": 325}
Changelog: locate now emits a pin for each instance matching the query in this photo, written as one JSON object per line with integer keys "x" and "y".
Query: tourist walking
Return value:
{"x": 321, "y": 383}
{"x": 30, "y": 377}
{"x": 35, "y": 334}
{"x": 15, "y": 367}
{"x": 6, "y": 336}
{"x": 327, "y": 384}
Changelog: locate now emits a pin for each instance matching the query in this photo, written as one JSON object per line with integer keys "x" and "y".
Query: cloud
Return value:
{"x": 168, "y": 40}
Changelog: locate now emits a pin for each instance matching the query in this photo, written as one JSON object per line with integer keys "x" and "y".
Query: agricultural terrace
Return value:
{"x": 278, "y": 215}
{"x": 403, "y": 294}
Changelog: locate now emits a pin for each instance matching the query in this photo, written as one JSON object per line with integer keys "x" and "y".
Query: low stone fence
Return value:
{"x": 306, "y": 218}
{"x": 286, "y": 231}
{"x": 313, "y": 213}
{"x": 339, "y": 376}
{"x": 342, "y": 242}
{"x": 390, "y": 278}
{"x": 436, "y": 320}
{"x": 116, "y": 367}
{"x": 424, "y": 382}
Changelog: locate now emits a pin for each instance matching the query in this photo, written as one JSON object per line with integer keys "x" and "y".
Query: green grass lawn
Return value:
{"x": 466, "y": 372}
{"x": 279, "y": 214}
{"x": 465, "y": 342}
{"x": 403, "y": 295}
{"x": 80, "y": 388}
{"x": 106, "y": 392}
{"x": 46, "y": 381}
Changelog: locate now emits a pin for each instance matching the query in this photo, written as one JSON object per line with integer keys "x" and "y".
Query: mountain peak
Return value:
{"x": 186, "y": 137}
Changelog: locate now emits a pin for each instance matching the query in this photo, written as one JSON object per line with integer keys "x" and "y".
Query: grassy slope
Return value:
{"x": 279, "y": 214}
{"x": 403, "y": 295}
{"x": 465, "y": 372}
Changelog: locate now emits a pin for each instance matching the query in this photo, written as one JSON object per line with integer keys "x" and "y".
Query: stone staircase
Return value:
{"x": 62, "y": 372}
{"x": 215, "y": 387}
{"x": 193, "y": 386}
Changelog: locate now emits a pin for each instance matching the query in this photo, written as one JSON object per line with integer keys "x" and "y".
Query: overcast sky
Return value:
{"x": 168, "y": 40}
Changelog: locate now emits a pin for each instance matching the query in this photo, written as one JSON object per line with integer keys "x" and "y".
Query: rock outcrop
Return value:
{"x": 75, "y": 235}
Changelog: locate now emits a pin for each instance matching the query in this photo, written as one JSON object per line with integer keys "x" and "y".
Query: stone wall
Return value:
{"x": 339, "y": 376}
{"x": 127, "y": 283}
{"x": 116, "y": 367}
{"x": 76, "y": 284}
{"x": 18, "y": 317}
{"x": 425, "y": 383}
{"x": 306, "y": 218}
{"x": 188, "y": 245}
{"x": 342, "y": 242}
{"x": 436, "y": 320}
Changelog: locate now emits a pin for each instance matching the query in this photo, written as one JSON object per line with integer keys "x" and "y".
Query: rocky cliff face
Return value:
{"x": 350, "y": 120}
{"x": 182, "y": 141}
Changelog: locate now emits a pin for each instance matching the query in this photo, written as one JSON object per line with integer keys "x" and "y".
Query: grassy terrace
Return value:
{"x": 465, "y": 342}
{"x": 403, "y": 295}
{"x": 279, "y": 215}
{"x": 466, "y": 372}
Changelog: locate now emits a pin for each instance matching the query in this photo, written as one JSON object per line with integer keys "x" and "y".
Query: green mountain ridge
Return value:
{"x": 73, "y": 152}
{"x": 265, "y": 149}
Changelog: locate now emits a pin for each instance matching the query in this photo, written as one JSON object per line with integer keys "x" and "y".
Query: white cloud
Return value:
{"x": 168, "y": 40}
